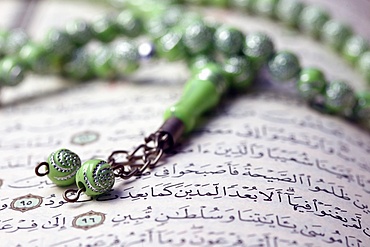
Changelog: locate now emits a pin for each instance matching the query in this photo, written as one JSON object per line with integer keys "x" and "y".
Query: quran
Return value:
{"x": 263, "y": 169}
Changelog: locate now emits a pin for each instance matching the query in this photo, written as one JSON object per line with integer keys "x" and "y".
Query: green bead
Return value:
{"x": 265, "y": 7}
{"x": 284, "y": 66}
{"x": 288, "y": 11}
{"x": 311, "y": 83}
{"x": 15, "y": 41}
{"x": 129, "y": 24}
{"x": 312, "y": 19}
{"x": 198, "y": 37}
{"x": 95, "y": 177}
{"x": 259, "y": 48}
{"x": 363, "y": 65}
{"x": 58, "y": 43}
{"x": 30, "y": 54}
{"x": 125, "y": 58}
{"x": 362, "y": 109}
{"x": 101, "y": 62}
{"x": 201, "y": 93}
{"x": 11, "y": 71}
{"x": 334, "y": 34}
{"x": 353, "y": 48}
{"x": 78, "y": 65}
{"x": 63, "y": 166}
{"x": 242, "y": 4}
{"x": 228, "y": 40}
{"x": 173, "y": 15}
{"x": 199, "y": 62}
{"x": 171, "y": 47}
{"x": 104, "y": 29}
{"x": 240, "y": 71}
{"x": 155, "y": 27}
{"x": 339, "y": 98}
{"x": 79, "y": 32}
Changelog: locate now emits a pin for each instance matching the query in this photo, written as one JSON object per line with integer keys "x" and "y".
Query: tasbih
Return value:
{"x": 220, "y": 57}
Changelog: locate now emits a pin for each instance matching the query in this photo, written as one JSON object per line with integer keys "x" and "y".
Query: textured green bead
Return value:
{"x": 15, "y": 41}
{"x": 78, "y": 65}
{"x": 312, "y": 19}
{"x": 63, "y": 166}
{"x": 171, "y": 47}
{"x": 95, "y": 177}
{"x": 242, "y": 4}
{"x": 335, "y": 33}
{"x": 339, "y": 98}
{"x": 11, "y": 71}
{"x": 201, "y": 93}
{"x": 104, "y": 29}
{"x": 353, "y": 48}
{"x": 311, "y": 83}
{"x": 288, "y": 11}
{"x": 79, "y": 32}
{"x": 284, "y": 66}
{"x": 125, "y": 58}
{"x": 259, "y": 47}
{"x": 240, "y": 71}
{"x": 198, "y": 37}
{"x": 229, "y": 40}
{"x": 265, "y": 7}
{"x": 129, "y": 24}
{"x": 363, "y": 65}
{"x": 101, "y": 62}
{"x": 58, "y": 43}
{"x": 362, "y": 109}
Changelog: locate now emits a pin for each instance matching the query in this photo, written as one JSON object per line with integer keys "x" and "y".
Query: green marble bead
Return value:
{"x": 312, "y": 19}
{"x": 15, "y": 41}
{"x": 170, "y": 46}
{"x": 79, "y": 32}
{"x": 78, "y": 66}
{"x": 284, "y": 66}
{"x": 95, "y": 177}
{"x": 63, "y": 166}
{"x": 259, "y": 47}
{"x": 198, "y": 37}
{"x": 362, "y": 109}
{"x": 334, "y": 34}
{"x": 288, "y": 11}
{"x": 58, "y": 43}
{"x": 125, "y": 58}
{"x": 104, "y": 29}
{"x": 265, "y": 7}
{"x": 11, "y": 71}
{"x": 129, "y": 24}
{"x": 228, "y": 40}
{"x": 353, "y": 48}
{"x": 240, "y": 71}
{"x": 339, "y": 98}
{"x": 311, "y": 83}
{"x": 363, "y": 65}
{"x": 101, "y": 62}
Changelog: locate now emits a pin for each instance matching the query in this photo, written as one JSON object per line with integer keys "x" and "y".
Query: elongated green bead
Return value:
{"x": 201, "y": 93}
{"x": 63, "y": 166}
{"x": 95, "y": 177}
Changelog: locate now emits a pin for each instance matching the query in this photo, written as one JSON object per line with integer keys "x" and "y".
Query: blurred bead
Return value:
{"x": 198, "y": 37}
{"x": 3, "y": 38}
{"x": 242, "y": 4}
{"x": 259, "y": 48}
{"x": 363, "y": 65}
{"x": 265, "y": 7}
{"x": 11, "y": 72}
{"x": 79, "y": 32}
{"x": 30, "y": 54}
{"x": 288, "y": 11}
{"x": 155, "y": 27}
{"x": 15, "y": 41}
{"x": 173, "y": 15}
{"x": 58, "y": 43}
{"x": 228, "y": 40}
{"x": 213, "y": 72}
{"x": 199, "y": 62}
{"x": 240, "y": 71}
{"x": 170, "y": 46}
{"x": 353, "y": 48}
{"x": 334, "y": 34}
{"x": 284, "y": 66}
{"x": 339, "y": 98}
{"x": 103, "y": 29}
{"x": 362, "y": 109}
{"x": 125, "y": 58}
{"x": 101, "y": 62}
{"x": 312, "y": 19}
{"x": 129, "y": 24}
{"x": 311, "y": 83}
{"x": 78, "y": 65}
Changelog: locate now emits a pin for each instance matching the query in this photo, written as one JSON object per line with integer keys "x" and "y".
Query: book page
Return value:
{"x": 263, "y": 169}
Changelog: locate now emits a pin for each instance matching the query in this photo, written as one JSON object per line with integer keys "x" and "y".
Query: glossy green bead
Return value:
{"x": 104, "y": 29}
{"x": 363, "y": 65}
{"x": 362, "y": 109}
{"x": 201, "y": 93}
{"x": 63, "y": 166}
{"x": 242, "y": 4}
{"x": 129, "y": 24}
{"x": 335, "y": 33}
{"x": 170, "y": 46}
{"x": 198, "y": 37}
{"x": 78, "y": 65}
{"x": 101, "y": 62}
{"x": 284, "y": 66}
{"x": 79, "y": 31}
{"x": 353, "y": 48}
{"x": 240, "y": 71}
{"x": 311, "y": 83}
{"x": 339, "y": 98}
{"x": 15, "y": 41}
{"x": 58, "y": 43}
{"x": 288, "y": 11}
{"x": 265, "y": 7}
{"x": 312, "y": 19}
{"x": 11, "y": 71}
{"x": 228, "y": 40}
{"x": 259, "y": 47}
{"x": 125, "y": 58}
{"x": 95, "y": 177}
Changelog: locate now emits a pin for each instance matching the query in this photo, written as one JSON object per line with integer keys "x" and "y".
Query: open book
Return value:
{"x": 261, "y": 170}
